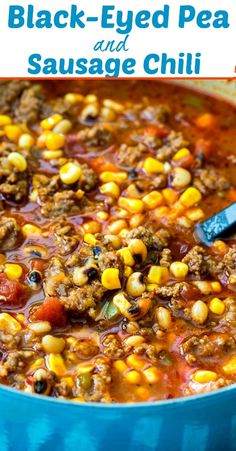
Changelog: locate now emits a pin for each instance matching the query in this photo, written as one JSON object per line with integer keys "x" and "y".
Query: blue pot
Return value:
{"x": 197, "y": 423}
{"x": 201, "y": 423}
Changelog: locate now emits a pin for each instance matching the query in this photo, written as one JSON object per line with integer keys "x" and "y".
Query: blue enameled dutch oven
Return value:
{"x": 201, "y": 423}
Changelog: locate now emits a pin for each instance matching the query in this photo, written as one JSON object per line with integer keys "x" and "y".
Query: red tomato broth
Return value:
{"x": 85, "y": 368}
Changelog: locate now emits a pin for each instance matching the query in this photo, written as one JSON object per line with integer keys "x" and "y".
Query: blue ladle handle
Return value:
{"x": 221, "y": 225}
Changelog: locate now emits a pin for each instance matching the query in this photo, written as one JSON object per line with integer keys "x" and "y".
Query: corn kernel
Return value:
{"x": 116, "y": 226}
{"x": 13, "y": 132}
{"x": 26, "y": 141}
{"x": 152, "y": 375}
{"x": 170, "y": 196}
{"x": 4, "y": 120}
{"x": 111, "y": 189}
{"x": 136, "y": 362}
{"x": 56, "y": 364}
{"x": 152, "y": 286}
{"x": 120, "y": 301}
{"x": 51, "y": 121}
{"x": 153, "y": 199}
{"x": 13, "y": 271}
{"x": 159, "y": 212}
{"x": 182, "y": 153}
{"x": 110, "y": 278}
{"x": 33, "y": 195}
{"x": 128, "y": 271}
{"x": 17, "y": 161}
{"x": 21, "y": 318}
{"x": 73, "y": 98}
{"x": 89, "y": 238}
{"x": 216, "y": 286}
{"x": 79, "y": 194}
{"x": 167, "y": 167}
{"x": 158, "y": 275}
{"x": 54, "y": 345}
{"x": 220, "y": 246}
{"x": 120, "y": 366}
{"x": 126, "y": 256}
{"x": 107, "y": 114}
{"x": 179, "y": 270}
{"x": 31, "y": 230}
{"x": 54, "y": 141}
{"x": 117, "y": 107}
{"x": 84, "y": 368}
{"x": 153, "y": 166}
{"x": 9, "y": 324}
{"x": 41, "y": 140}
{"x": 133, "y": 377}
{"x": 190, "y": 196}
{"x": 132, "y": 205}
{"x": 70, "y": 173}
{"x": 121, "y": 213}
{"x": 90, "y": 98}
{"x": 230, "y": 366}
{"x": 195, "y": 214}
{"x": 117, "y": 177}
{"x": 63, "y": 126}
{"x": 37, "y": 364}
{"x": 68, "y": 381}
{"x": 217, "y": 306}
{"x": 184, "y": 222}
{"x": 176, "y": 211}
{"x": 142, "y": 393}
{"x": 92, "y": 227}
{"x": 136, "y": 220}
{"x": 52, "y": 154}
{"x": 71, "y": 341}
{"x": 102, "y": 215}
{"x": 204, "y": 376}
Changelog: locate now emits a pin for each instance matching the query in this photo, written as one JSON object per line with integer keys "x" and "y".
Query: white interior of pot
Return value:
{"x": 222, "y": 88}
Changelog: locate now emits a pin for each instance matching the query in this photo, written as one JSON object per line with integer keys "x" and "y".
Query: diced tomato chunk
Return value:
{"x": 203, "y": 148}
{"x": 189, "y": 293}
{"x": 231, "y": 195}
{"x": 51, "y": 310}
{"x": 101, "y": 164}
{"x": 184, "y": 370}
{"x": 185, "y": 162}
{"x": 158, "y": 130}
{"x": 11, "y": 291}
{"x": 38, "y": 265}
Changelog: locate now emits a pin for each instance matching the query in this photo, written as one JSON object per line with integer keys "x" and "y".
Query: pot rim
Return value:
{"x": 214, "y": 396}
